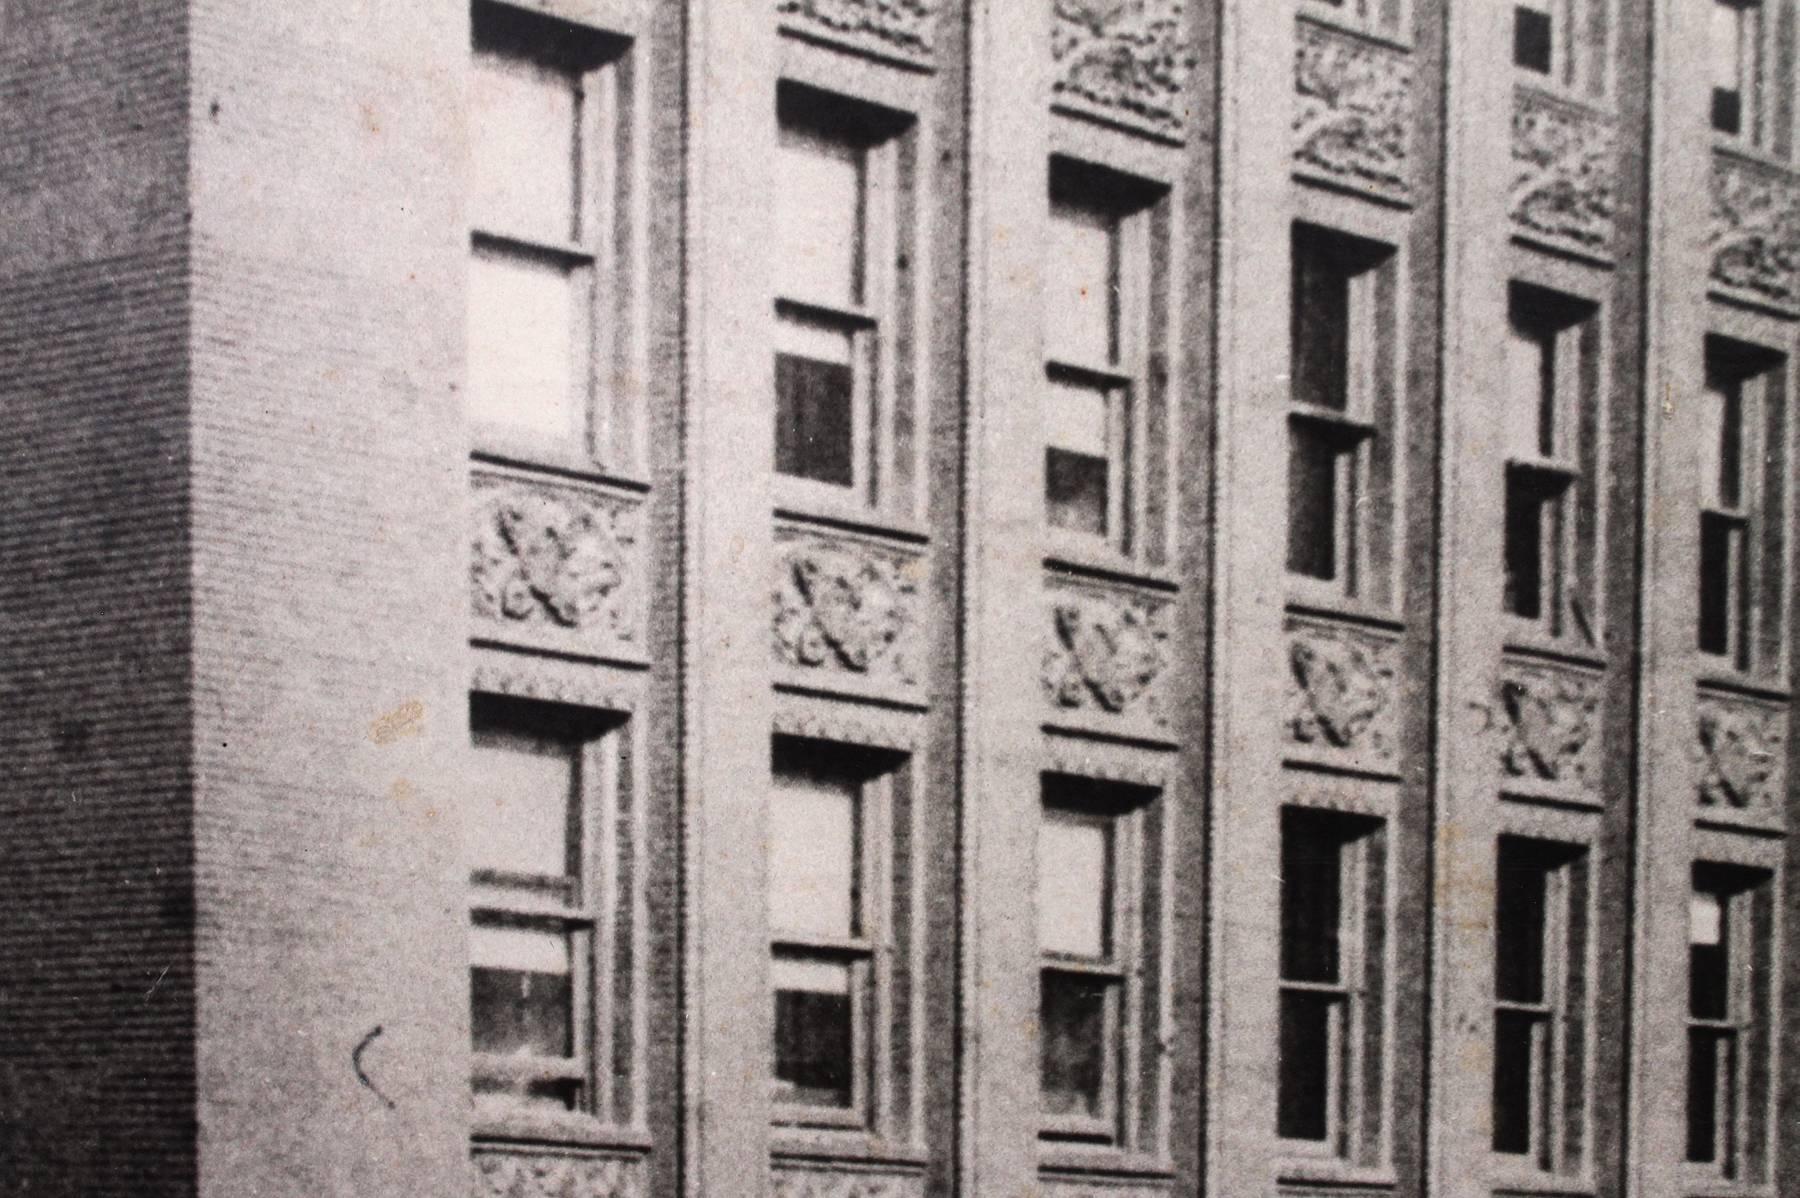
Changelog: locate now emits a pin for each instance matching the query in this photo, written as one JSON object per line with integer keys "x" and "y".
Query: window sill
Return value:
{"x": 1716, "y": 677}
{"x": 512, "y": 451}
{"x": 1527, "y": 637}
{"x": 1322, "y": 602}
{"x": 1088, "y": 1160}
{"x": 797, "y": 502}
{"x": 822, "y": 1144}
{"x": 1510, "y": 1177}
{"x": 1330, "y": 16}
{"x": 569, "y": 1129}
{"x": 1296, "y": 1168}
{"x": 1073, "y": 554}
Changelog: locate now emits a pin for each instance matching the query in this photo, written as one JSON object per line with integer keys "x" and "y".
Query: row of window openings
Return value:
{"x": 536, "y": 767}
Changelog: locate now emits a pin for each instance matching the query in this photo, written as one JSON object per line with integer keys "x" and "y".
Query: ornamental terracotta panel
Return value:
{"x": 1565, "y": 173}
{"x": 510, "y": 1174}
{"x": 1126, "y": 61}
{"x": 1353, "y": 116}
{"x": 557, "y": 566}
{"x": 1547, "y": 721}
{"x": 1107, "y": 657}
{"x": 849, "y": 613}
{"x": 823, "y": 1181}
{"x": 1099, "y": 1187}
{"x": 906, "y": 28}
{"x": 1740, "y": 749}
{"x": 1754, "y": 236}
{"x": 1342, "y": 707}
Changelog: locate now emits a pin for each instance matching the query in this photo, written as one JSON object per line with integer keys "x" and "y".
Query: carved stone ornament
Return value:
{"x": 1107, "y": 651}
{"x": 1565, "y": 172}
{"x": 555, "y": 557}
{"x": 905, "y": 26}
{"x": 1353, "y": 121}
{"x": 1342, "y": 693}
{"x": 1125, "y": 60}
{"x": 847, "y": 606}
{"x": 831, "y": 1183}
{"x": 1740, "y": 752}
{"x": 1549, "y": 719}
{"x": 529, "y": 1175}
{"x": 1754, "y": 238}
{"x": 1066, "y": 1187}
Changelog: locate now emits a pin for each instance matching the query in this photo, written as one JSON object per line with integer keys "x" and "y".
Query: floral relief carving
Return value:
{"x": 1342, "y": 692}
{"x": 1108, "y": 649}
{"x": 822, "y": 1183}
{"x": 523, "y": 1175}
{"x": 1565, "y": 172}
{"x": 1755, "y": 235}
{"x": 1071, "y": 1188}
{"x": 847, "y": 606}
{"x": 1124, "y": 59}
{"x": 1549, "y": 720}
{"x": 1740, "y": 751}
{"x": 907, "y": 26}
{"x": 555, "y": 558}
{"x": 1353, "y": 122}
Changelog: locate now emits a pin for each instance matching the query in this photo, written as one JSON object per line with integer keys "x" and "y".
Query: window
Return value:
{"x": 837, "y": 168}
{"x": 535, "y": 791}
{"x": 1097, "y": 341}
{"x": 1097, "y": 851}
{"x": 1741, "y": 580}
{"x": 1735, "y": 36}
{"x": 1549, "y": 432}
{"x": 1534, "y": 33}
{"x": 1540, "y": 1003}
{"x": 542, "y": 113}
{"x": 1730, "y": 970}
{"x": 1333, "y": 950}
{"x": 1340, "y": 486}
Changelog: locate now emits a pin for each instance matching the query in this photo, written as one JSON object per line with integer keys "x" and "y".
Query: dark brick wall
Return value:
{"x": 97, "y": 1008}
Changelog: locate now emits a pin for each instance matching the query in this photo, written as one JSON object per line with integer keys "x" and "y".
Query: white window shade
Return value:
{"x": 1074, "y": 886}
{"x": 522, "y": 322}
{"x": 1075, "y": 418}
{"x": 524, "y": 130}
{"x": 1080, "y": 274}
{"x": 812, "y": 857}
{"x": 819, "y": 219}
{"x": 520, "y": 788}
{"x": 1527, "y": 365}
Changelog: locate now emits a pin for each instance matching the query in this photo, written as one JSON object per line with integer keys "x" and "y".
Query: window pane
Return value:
{"x": 1710, "y": 1083}
{"x": 1530, "y": 389}
{"x": 1080, "y": 277}
{"x": 1077, "y": 471}
{"x": 522, "y": 790}
{"x": 815, "y": 394}
{"x": 1321, "y": 325}
{"x": 1720, "y": 539}
{"x": 523, "y": 128}
{"x": 1517, "y": 1065}
{"x": 521, "y": 328}
{"x": 520, "y": 991}
{"x": 1303, "y": 1100}
{"x": 1073, "y": 1043}
{"x": 1074, "y": 885}
{"x": 1531, "y": 39}
{"x": 1726, "y": 46}
{"x": 819, "y": 219}
{"x": 1722, "y": 445}
{"x": 814, "y": 1032}
{"x": 1311, "y": 902}
{"x": 1521, "y": 904}
{"x": 560, "y": 1094}
{"x": 1312, "y": 501}
{"x": 813, "y": 854}
{"x": 1709, "y": 958}
{"x": 1525, "y": 504}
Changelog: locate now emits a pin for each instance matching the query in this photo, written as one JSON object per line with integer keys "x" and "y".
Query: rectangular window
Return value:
{"x": 1332, "y": 1005}
{"x": 533, "y": 792}
{"x": 542, "y": 103}
{"x": 1734, "y": 53}
{"x": 1540, "y": 1003}
{"x": 1730, "y": 966}
{"x": 1096, "y": 853}
{"x": 1534, "y": 35}
{"x": 1340, "y": 486}
{"x": 1098, "y": 339}
{"x": 836, "y": 232}
{"x": 1550, "y": 434}
{"x": 1742, "y": 492}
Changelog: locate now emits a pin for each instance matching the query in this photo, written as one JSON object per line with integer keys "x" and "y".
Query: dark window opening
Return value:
{"x": 1313, "y": 457}
{"x": 814, "y": 435}
{"x": 1525, "y": 518}
{"x": 1073, "y": 1038}
{"x": 1531, "y": 39}
{"x": 1303, "y": 1100}
{"x": 1075, "y": 485}
{"x": 1516, "y": 1055}
{"x": 1727, "y": 110}
{"x": 1719, "y": 536}
{"x": 814, "y": 1035}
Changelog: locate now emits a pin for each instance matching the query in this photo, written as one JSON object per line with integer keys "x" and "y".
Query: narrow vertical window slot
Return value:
{"x": 1730, "y": 951}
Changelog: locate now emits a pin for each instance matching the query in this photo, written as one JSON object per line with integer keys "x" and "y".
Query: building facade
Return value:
{"x": 883, "y": 598}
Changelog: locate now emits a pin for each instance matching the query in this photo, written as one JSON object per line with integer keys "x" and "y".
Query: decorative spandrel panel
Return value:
{"x": 1100, "y": 1187}
{"x": 1740, "y": 753}
{"x": 1342, "y": 709}
{"x": 1107, "y": 657}
{"x": 1545, "y": 722}
{"x": 557, "y": 566}
{"x": 849, "y": 613}
{"x": 1565, "y": 180}
{"x": 904, "y": 29}
{"x": 1125, "y": 61}
{"x": 505, "y": 1173}
{"x": 792, "y": 1180}
{"x": 1353, "y": 116}
{"x": 1754, "y": 237}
